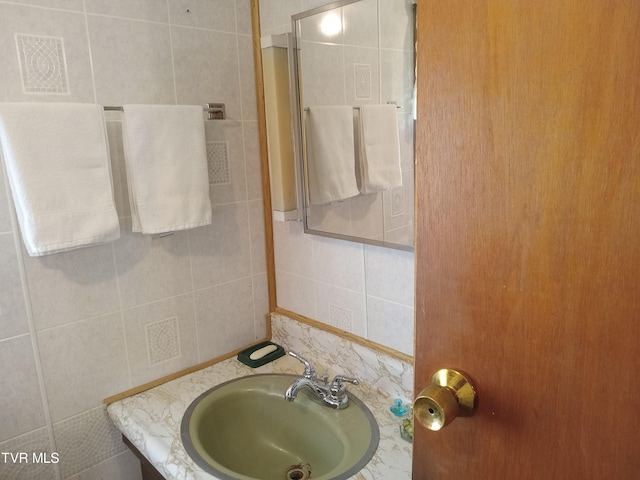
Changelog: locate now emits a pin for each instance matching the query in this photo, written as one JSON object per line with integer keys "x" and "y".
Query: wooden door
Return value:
{"x": 528, "y": 227}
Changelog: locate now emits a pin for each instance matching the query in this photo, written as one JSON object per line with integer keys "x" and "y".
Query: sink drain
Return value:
{"x": 301, "y": 471}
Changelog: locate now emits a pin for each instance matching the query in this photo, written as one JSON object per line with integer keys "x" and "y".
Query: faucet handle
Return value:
{"x": 338, "y": 392}
{"x": 309, "y": 371}
{"x": 337, "y": 385}
{"x": 340, "y": 379}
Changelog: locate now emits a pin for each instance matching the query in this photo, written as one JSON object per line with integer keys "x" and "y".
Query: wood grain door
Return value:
{"x": 528, "y": 235}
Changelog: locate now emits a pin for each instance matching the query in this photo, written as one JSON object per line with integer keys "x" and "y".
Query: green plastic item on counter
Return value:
{"x": 260, "y": 354}
{"x": 406, "y": 413}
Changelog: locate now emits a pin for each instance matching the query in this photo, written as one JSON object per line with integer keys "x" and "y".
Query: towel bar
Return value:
{"x": 306, "y": 109}
{"x": 214, "y": 111}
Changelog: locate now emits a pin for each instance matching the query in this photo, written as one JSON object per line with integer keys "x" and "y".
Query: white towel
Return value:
{"x": 331, "y": 154}
{"x": 166, "y": 162}
{"x": 379, "y": 148}
{"x": 57, "y": 163}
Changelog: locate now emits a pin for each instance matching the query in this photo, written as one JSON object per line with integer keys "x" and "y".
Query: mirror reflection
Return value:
{"x": 354, "y": 67}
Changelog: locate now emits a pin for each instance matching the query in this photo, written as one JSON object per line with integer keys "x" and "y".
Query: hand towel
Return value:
{"x": 330, "y": 154}
{"x": 58, "y": 168}
{"x": 379, "y": 148}
{"x": 166, "y": 163}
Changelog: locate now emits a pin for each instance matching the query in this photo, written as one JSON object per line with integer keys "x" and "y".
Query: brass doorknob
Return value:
{"x": 449, "y": 395}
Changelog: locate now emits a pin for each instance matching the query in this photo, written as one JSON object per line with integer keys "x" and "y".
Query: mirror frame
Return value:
{"x": 295, "y": 80}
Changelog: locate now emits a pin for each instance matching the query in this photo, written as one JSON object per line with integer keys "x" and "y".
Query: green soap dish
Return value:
{"x": 260, "y": 353}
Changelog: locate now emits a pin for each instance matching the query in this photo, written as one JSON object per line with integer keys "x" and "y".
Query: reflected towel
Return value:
{"x": 379, "y": 148}
{"x": 330, "y": 154}
{"x": 166, "y": 162}
{"x": 58, "y": 167}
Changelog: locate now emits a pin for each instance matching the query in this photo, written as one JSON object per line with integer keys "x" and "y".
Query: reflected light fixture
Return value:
{"x": 331, "y": 25}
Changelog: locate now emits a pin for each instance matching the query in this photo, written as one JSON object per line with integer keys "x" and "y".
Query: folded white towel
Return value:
{"x": 379, "y": 148}
{"x": 58, "y": 167}
{"x": 330, "y": 154}
{"x": 166, "y": 162}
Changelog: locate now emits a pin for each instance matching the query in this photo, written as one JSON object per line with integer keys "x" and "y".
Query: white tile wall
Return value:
{"x": 258, "y": 245}
{"x": 151, "y": 10}
{"x": 221, "y": 252}
{"x": 247, "y": 77}
{"x": 73, "y": 285}
{"x": 224, "y": 317}
{"x": 73, "y": 5}
{"x": 389, "y": 274}
{"x": 144, "y": 364}
{"x": 142, "y": 51}
{"x": 275, "y": 15}
{"x": 123, "y": 466}
{"x": 252, "y": 152}
{"x": 139, "y": 258}
{"x": 13, "y": 313}
{"x": 20, "y": 403}
{"x": 360, "y": 20}
{"x": 296, "y": 293}
{"x": 293, "y": 250}
{"x": 261, "y": 303}
{"x": 390, "y": 324}
{"x": 73, "y": 326}
{"x": 339, "y": 264}
{"x": 396, "y": 31}
{"x": 214, "y": 55}
{"x": 314, "y": 273}
{"x": 83, "y": 362}
{"x": 5, "y": 214}
{"x": 207, "y": 14}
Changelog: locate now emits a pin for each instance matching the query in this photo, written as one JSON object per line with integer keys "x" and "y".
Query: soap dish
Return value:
{"x": 260, "y": 354}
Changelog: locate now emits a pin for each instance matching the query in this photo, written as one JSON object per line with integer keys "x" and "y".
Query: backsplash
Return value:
{"x": 79, "y": 326}
{"x": 379, "y": 373}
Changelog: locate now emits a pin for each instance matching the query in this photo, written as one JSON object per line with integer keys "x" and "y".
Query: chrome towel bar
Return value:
{"x": 214, "y": 111}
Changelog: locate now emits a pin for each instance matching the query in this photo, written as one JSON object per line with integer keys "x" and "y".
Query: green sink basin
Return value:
{"x": 245, "y": 429}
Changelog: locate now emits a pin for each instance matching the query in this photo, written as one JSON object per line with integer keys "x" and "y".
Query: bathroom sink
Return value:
{"x": 244, "y": 429}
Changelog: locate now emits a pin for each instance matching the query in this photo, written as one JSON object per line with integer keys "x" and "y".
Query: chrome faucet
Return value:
{"x": 333, "y": 395}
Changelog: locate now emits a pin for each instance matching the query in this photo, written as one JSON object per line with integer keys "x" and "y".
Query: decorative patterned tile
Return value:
{"x": 36, "y": 442}
{"x": 362, "y": 81}
{"x": 163, "y": 342}
{"x": 397, "y": 201}
{"x": 85, "y": 440}
{"x": 42, "y": 64}
{"x": 218, "y": 162}
{"x": 341, "y": 317}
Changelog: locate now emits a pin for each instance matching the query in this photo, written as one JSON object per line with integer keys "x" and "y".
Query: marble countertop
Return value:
{"x": 151, "y": 421}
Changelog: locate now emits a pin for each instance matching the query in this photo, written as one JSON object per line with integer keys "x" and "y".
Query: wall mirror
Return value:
{"x": 356, "y": 53}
